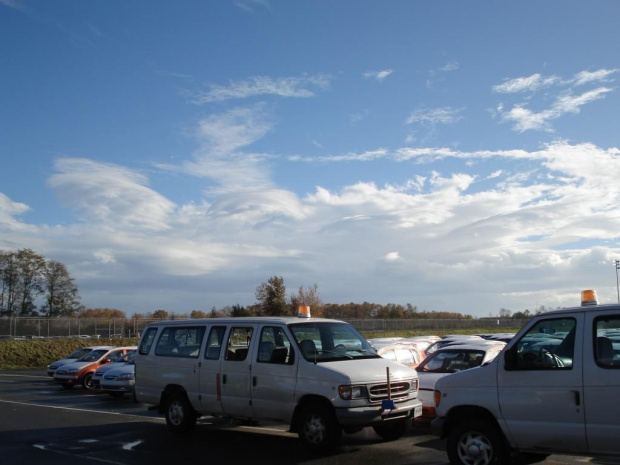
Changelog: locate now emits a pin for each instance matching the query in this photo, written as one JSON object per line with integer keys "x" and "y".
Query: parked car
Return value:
{"x": 400, "y": 352}
{"x": 81, "y": 371}
{"x": 98, "y": 376}
{"x": 451, "y": 339}
{"x": 451, "y": 359}
{"x": 52, "y": 367}
{"x": 120, "y": 380}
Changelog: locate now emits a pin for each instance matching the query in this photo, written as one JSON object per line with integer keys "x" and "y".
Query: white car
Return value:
{"x": 98, "y": 375}
{"x": 451, "y": 359}
{"x": 52, "y": 367}
{"x": 120, "y": 380}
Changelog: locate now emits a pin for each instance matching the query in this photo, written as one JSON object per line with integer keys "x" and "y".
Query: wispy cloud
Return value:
{"x": 525, "y": 119}
{"x": 601, "y": 75}
{"x": 526, "y": 84}
{"x": 299, "y": 87}
{"x": 450, "y": 66}
{"x": 17, "y": 4}
{"x": 565, "y": 101}
{"x": 445, "y": 115}
{"x": 378, "y": 75}
{"x": 250, "y": 5}
{"x": 110, "y": 195}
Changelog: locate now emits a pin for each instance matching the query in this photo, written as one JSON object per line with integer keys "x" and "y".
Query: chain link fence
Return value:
{"x": 36, "y": 328}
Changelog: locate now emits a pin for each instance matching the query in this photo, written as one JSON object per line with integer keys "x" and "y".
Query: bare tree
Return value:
{"x": 62, "y": 297}
{"x": 30, "y": 266}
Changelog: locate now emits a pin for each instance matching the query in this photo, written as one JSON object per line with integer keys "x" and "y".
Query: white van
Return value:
{"x": 554, "y": 389}
{"x": 319, "y": 376}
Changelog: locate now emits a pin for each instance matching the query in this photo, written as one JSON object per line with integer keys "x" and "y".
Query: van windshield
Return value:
{"x": 328, "y": 341}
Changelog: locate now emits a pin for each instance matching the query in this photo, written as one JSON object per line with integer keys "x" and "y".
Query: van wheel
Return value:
{"x": 476, "y": 443}
{"x": 391, "y": 430}
{"x": 180, "y": 415}
{"x": 87, "y": 382}
{"x": 318, "y": 429}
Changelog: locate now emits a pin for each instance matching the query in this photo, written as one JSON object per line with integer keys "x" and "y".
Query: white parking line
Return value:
{"x": 44, "y": 447}
{"x": 28, "y": 404}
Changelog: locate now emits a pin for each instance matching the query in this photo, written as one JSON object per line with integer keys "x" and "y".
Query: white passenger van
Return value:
{"x": 319, "y": 376}
{"x": 554, "y": 389}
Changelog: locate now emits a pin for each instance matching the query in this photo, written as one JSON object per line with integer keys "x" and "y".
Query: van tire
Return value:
{"x": 180, "y": 415}
{"x": 476, "y": 442}
{"x": 318, "y": 429}
{"x": 391, "y": 430}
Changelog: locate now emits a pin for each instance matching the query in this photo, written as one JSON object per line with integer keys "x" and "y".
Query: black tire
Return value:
{"x": 87, "y": 382}
{"x": 391, "y": 430}
{"x": 180, "y": 415}
{"x": 318, "y": 429}
{"x": 477, "y": 443}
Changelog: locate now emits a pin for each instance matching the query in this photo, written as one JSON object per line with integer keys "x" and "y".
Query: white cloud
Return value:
{"x": 378, "y": 75}
{"x": 297, "y": 87}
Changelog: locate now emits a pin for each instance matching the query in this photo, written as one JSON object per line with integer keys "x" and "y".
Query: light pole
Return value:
{"x": 617, "y": 262}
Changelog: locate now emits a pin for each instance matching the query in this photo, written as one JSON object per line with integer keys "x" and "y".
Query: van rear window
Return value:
{"x": 180, "y": 341}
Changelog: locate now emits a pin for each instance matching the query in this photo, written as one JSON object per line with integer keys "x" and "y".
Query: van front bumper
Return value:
{"x": 364, "y": 416}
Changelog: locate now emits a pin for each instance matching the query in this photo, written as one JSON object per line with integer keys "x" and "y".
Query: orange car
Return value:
{"x": 81, "y": 371}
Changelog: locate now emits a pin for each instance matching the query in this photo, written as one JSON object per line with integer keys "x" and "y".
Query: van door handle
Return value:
{"x": 253, "y": 381}
{"x": 577, "y": 398}
{"x": 223, "y": 379}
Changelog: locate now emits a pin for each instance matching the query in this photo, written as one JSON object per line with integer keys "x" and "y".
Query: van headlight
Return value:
{"x": 348, "y": 392}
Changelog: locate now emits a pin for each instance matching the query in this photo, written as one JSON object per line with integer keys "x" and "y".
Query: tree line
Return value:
{"x": 28, "y": 278}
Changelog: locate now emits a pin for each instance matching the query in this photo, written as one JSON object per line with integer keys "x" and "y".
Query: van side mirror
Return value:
{"x": 510, "y": 359}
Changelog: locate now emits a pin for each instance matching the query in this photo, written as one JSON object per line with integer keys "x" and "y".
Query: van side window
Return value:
{"x": 214, "y": 343}
{"x": 238, "y": 343}
{"x": 548, "y": 345}
{"x": 180, "y": 341}
{"x": 274, "y": 346}
{"x": 607, "y": 341}
{"x": 147, "y": 341}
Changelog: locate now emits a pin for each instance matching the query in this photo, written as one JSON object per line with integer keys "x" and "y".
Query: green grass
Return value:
{"x": 39, "y": 353}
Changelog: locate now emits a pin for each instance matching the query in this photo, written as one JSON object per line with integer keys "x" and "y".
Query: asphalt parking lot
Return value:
{"x": 44, "y": 424}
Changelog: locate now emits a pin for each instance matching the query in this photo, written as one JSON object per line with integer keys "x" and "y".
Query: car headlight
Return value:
{"x": 126, "y": 377}
{"x": 72, "y": 371}
{"x": 348, "y": 392}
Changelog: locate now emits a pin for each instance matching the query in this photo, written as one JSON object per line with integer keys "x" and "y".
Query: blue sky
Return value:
{"x": 458, "y": 156}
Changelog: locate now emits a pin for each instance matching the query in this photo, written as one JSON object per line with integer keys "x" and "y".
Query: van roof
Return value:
{"x": 247, "y": 320}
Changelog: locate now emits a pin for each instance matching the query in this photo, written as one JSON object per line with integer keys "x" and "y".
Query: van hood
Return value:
{"x": 361, "y": 371}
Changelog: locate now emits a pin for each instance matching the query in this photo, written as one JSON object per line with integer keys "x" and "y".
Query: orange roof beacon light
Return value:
{"x": 588, "y": 297}
{"x": 304, "y": 311}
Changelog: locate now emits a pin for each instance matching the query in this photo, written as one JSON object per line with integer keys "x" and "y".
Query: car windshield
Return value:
{"x": 93, "y": 356}
{"x": 452, "y": 361}
{"x": 80, "y": 352}
{"x": 330, "y": 341}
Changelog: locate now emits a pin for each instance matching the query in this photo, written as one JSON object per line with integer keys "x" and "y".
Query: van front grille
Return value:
{"x": 398, "y": 390}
